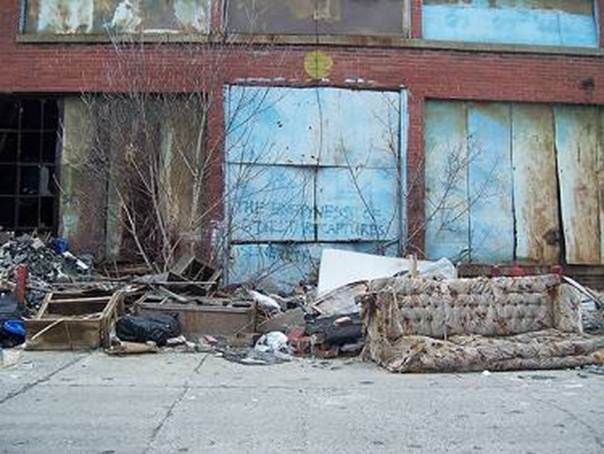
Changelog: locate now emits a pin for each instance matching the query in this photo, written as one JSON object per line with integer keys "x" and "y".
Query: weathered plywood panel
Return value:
{"x": 600, "y": 169}
{"x": 577, "y": 147}
{"x": 123, "y": 16}
{"x": 535, "y": 184}
{"x": 297, "y": 126}
{"x": 272, "y": 125}
{"x": 357, "y": 204}
{"x": 359, "y": 129}
{"x": 447, "y": 211}
{"x": 82, "y": 197}
{"x": 270, "y": 203}
{"x": 311, "y": 16}
{"x": 490, "y": 183}
{"x": 533, "y": 22}
{"x": 280, "y": 266}
{"x": 308, "y": 165}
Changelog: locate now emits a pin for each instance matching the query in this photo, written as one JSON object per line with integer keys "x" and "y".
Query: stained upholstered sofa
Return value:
{"x": 423, "y": 325}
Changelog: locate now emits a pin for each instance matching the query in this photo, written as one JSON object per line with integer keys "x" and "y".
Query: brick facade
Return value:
{"x": 427, "y": 72}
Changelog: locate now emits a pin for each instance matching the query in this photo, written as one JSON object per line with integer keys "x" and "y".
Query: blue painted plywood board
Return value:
{"x": 359, "y": 204}
{"x": 270, "y": 203}
{"x": 446, "y": 208}
{"x": 490, "y": 182}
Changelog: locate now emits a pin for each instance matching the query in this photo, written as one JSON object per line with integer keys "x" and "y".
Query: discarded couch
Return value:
{"x": 422, "y": 325}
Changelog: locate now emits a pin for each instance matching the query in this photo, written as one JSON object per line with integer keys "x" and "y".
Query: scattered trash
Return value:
{"x": 44, "y": 265}
{"x": 266, "y": 303}
{"x": 131, "y": 348}
{"x": 10, "y": 357}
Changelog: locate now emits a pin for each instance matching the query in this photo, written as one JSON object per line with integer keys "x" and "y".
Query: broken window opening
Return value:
{"x": 28, "y": 156}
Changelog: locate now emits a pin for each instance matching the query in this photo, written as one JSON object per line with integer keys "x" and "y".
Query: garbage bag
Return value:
{"x": 12, "y": 327}
{"x": 142, "y": 328}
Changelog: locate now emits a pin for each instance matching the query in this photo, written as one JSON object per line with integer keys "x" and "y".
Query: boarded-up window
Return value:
{"x": 317, "y": 16}
{"x": 130, "y": 16}
{"x": 308, "y": 168}
{"x": 532, "y": 22}
{"x": 501, "y": 177}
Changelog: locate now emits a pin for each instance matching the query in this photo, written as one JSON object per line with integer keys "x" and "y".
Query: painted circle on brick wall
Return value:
{"x": 318, "y": 64}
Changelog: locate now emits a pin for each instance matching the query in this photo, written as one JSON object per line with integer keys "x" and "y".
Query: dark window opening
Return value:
{"x": 29, "y": 128}
{"x": 353, "y": 17}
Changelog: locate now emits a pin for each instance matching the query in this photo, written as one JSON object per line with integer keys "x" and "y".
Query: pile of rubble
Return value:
{"x": 46, "y": 262}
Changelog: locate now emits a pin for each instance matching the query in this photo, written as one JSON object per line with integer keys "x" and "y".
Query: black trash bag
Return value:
{"x": 12, "y": 327}
{"x": 142, "y": 328}
{"x": 332, "y": 333}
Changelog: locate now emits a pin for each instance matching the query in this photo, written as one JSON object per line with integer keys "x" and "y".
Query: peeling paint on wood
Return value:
{"x": 123, "y": 16}
{"x": 447, "y": 215}
{"x": 532, "y": 22}
{"x": 520, "y": 148}
{"x": 577, "y": 136}
{"x": 535, "y": 184}
{"x": 311, "y": 165}
{"x": 490, "y": 182}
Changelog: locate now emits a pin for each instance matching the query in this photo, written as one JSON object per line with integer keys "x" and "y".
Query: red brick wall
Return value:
{"x": 426, "y": 73}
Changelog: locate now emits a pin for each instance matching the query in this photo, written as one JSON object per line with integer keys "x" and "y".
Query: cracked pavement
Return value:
{"x": 198, "y": 403}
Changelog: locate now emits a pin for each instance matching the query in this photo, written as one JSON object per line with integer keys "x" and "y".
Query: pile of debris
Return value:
{"x": 404, "y": 314}
{"x": 47, "y": 262}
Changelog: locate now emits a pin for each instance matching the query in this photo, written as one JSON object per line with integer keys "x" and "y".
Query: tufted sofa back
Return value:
{"x": 489, "y": 307}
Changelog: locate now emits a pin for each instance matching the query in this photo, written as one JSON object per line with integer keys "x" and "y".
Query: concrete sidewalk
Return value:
{"x": 197, "y": 403}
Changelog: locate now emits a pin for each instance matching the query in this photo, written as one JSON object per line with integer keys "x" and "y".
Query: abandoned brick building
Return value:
{"x": 262, "y": 131}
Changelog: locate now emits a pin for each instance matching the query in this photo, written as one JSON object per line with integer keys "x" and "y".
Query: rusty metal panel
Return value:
{"x": 533, "y": 22}
{"x": 490, "y": 182}
{"x": 535, "y": 184}
{"x": 356, "y": 204}
{"x": 577, "y": 136}
{"x": 125, "y": 16}
{"x": 447, "y": 211}
{"x": 316, "y": 16}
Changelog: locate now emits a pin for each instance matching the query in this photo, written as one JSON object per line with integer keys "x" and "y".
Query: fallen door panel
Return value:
{"x": 576, "y": 143}
{"x": 535, "y": 184}
{"x": 490, "y": 183}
